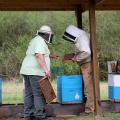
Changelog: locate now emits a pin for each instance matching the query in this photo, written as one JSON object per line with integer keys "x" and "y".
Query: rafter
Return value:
{"x": 108, "y": 7}
{"x": 35, "y": 6}
{"x": 44, "y": 5}
{"x": 99, "y": 2}
{"x": 45, "y": 1}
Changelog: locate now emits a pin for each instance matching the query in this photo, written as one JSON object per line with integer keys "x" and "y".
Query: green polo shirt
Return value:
{"x": 30, "y": 65}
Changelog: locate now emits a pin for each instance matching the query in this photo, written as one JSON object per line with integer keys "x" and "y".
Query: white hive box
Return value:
{"x": 114, "y": 87}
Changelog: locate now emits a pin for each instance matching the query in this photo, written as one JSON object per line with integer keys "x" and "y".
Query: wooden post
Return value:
{"x": 92, "y": 23}
{"x": 79, "y": 16}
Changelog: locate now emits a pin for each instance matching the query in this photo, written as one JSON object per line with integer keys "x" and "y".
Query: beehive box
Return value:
{"x": 69, "y": 89}
{"x": 114, "y": 87}
{"x": 47, "y": 90}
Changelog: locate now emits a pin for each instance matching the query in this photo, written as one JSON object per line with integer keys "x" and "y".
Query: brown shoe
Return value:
{"x": 89, "y": 110}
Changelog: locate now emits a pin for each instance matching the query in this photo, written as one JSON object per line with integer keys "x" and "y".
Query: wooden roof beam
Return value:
{"x": 36, "y": 7}
{"x": 99, "y": 2}
{"x": 46, "y": 1}
{"x": 27, "y": 6}
{"x": 108, "y": 7}
{"x": 107, "y": 2}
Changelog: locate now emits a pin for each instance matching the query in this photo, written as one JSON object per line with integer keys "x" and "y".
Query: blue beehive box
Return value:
{"x": 114, "y": 86}
{"x": 69, "y": 89}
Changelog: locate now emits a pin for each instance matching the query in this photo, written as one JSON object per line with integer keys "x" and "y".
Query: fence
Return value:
{"x": 12, "y": 91}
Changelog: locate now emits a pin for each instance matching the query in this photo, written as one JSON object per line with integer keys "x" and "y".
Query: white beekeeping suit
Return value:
{"x": 81, "y": 39}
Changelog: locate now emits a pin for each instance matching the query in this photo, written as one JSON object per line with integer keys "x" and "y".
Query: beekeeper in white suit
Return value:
{"x": 81, "y": 40}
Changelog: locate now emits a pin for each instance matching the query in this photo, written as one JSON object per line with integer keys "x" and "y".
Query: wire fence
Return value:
{"x": 12, "y": 92}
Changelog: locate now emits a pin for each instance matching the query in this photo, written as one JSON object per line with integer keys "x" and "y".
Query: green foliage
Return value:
{"x": 108, "y": 37}
{"x": 18, "y": 28}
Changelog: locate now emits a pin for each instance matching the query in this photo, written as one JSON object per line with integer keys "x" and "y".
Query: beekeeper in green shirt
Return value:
{"x": 35, "y": 66}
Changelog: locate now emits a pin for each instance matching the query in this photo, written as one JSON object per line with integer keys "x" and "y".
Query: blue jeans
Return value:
{"x": 34, "y": 102}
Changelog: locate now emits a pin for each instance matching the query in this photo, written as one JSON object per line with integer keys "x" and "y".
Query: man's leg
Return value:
{"x": 28, "y": 98}
{"x": 39, "y": 101}
{"x": 88, "y": 86}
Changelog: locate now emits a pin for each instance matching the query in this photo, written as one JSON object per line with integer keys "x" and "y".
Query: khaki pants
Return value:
{"x": 87, "y": 73}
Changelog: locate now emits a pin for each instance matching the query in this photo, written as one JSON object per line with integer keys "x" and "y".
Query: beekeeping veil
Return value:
{"x": 46, "y": 31}
{"x": 72, "y": 33}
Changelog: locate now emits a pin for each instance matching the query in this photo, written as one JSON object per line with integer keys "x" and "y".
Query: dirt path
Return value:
{"x": 107, "y": 116}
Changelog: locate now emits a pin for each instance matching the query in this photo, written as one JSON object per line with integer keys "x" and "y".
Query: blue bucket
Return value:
{"x": 0, "y": 91}
{"x": 69, "y": 89}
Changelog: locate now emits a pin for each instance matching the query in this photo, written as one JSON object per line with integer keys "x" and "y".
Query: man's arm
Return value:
{"x": 41, "y": 61}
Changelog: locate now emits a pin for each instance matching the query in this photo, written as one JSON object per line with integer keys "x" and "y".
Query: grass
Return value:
{"x": 103, "y": 90}
{"x": 12, "y": 91}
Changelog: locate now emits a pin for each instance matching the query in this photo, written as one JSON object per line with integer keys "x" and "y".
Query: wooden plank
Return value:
{"x": 37, "y": 7}
{"x": 99, "y": 2}
{"x": 108, "y": 106}
{"x": 102, "y": 7}
{"x": 42, "y": 5}
{"x": 52, "y": 5}
{"x": 45, "y": 1}
{"x": 54, "y": 109}
{"x": 107, "y": 2}
{"x": 94, "y": 57}
{"x": 108, "y": 7}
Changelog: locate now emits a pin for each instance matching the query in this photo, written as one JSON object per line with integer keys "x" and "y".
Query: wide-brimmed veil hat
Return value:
{"x": 45, "y": 29}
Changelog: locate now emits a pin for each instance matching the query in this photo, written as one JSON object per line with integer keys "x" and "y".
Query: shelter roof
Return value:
{"x": 46, "y": 5}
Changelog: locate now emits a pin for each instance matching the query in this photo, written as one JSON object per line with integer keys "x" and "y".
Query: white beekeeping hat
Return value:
{"x": 45, "y": 29}
{"x": 72, "y": 33}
